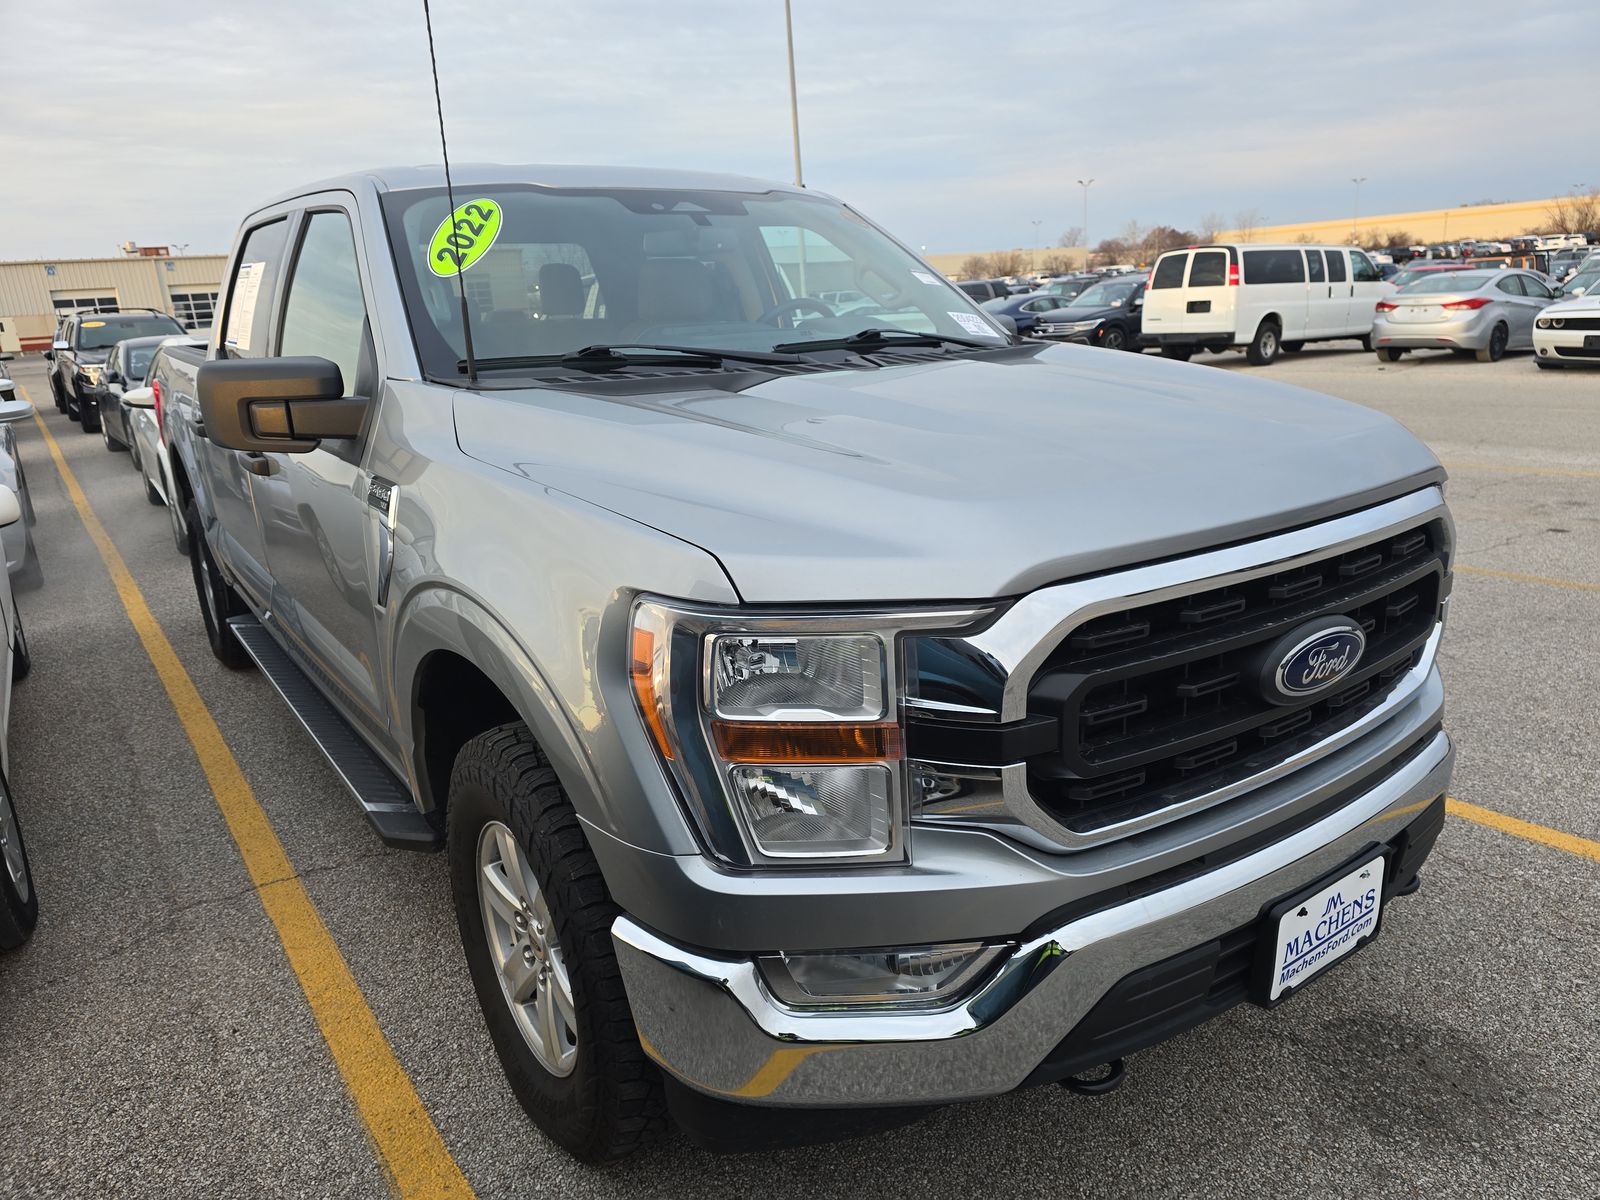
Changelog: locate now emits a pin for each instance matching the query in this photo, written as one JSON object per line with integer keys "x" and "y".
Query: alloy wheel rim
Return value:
{"x": 525, "y": 951}
{"x": 11, "y": 848}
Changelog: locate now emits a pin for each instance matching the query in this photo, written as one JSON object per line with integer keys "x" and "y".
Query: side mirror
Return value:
{"x": 58, "y": 345}
{"x": 276, "y": 405}
{"x": 10, "y": 510}
{"x": 1137, "y": 302}
{"x": 1009, "y": 324}
{"x": 15, "y": 410}
{"x": 140, "y": 398}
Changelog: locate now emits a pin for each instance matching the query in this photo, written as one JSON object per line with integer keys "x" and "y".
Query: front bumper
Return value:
{"x": 711, "y": 1023}
{"x": 1566, "y": 345}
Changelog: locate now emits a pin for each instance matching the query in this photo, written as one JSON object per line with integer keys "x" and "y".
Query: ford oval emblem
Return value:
{"x": 1312, "y": 659}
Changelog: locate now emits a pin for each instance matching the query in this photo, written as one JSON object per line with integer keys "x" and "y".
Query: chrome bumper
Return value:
{"x": 713, "y": 1025}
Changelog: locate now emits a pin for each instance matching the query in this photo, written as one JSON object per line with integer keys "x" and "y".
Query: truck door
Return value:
{"x": 319, "y": 527}
{"x": 1341, "y": 289}
{"x": 1164, "y": 298}
{"x": 228, "y": 474}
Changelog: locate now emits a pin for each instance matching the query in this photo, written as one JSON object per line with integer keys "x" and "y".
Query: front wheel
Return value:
{"x": 1263, "y": 348}
{"x": 1115, "y": 339}
{"x": 218, "y": 601}
{"x": 1496, "y": 349}
{"x": 1181, "y": 353}
{"x": 19, "y": 904}
{"x": 535, "y": 921}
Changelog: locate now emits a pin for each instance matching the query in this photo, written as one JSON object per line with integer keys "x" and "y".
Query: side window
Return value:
{"x": 1511, "y": 285}
{"x": 1169, "y": 271}
{"x": 1314, "y": 266}
{"x": 1209, "y": 269}
{"x": 1362, "y": 269}
{"x": 1336, "y": 271}
{"x": 1535, "y": 287}
{"x": 324, "y": 313}
{"x": 255, "y": 278}
{"x": 1274, "y": 266}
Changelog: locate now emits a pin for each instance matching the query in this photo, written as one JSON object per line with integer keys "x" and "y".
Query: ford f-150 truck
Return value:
{"x": 846, "y": 713}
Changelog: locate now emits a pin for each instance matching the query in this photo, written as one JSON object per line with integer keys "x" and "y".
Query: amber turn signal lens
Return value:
{"x": 805, "y": 742}
{"x": 642, "y": 670}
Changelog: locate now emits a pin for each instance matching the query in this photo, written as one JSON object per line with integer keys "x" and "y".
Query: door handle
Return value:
{"x": 256, "y": 464}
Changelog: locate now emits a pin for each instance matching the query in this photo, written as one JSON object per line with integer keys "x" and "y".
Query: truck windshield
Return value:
{"x": 551, "y": 271}
{"x": 102, "y": 333}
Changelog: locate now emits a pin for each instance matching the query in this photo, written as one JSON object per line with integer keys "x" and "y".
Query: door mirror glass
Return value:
{"x": 10, "y": 510}
{"x": 140, "y": 398}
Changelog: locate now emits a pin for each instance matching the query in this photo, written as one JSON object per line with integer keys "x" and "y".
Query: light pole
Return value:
{"x": 1085, "y": 184}
{"x": 794, "y": 99}
{"x": 1356, "y": 219}
{"x": 1035, "y": 255}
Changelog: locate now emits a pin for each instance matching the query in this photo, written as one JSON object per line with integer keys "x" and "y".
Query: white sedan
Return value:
{"x": 1568, "y": 332}
{"x": 149, "y": 452}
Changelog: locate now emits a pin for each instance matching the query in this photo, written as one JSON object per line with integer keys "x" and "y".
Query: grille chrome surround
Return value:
{"x": 1022, "y": 642}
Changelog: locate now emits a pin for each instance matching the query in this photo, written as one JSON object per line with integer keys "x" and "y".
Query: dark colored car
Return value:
{"x": 985, "y": 289}
{"x": 1109, "y": 314}
{"x": 125, "y": 369}
{"x": 78, "y": 356}
{"x": 1069, "y": 286}
{"x": 1023, "y": 309}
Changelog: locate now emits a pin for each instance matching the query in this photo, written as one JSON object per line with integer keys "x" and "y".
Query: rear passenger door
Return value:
{"x": 227, "y": 475}
{"x": 1274, "y": 286}
{"x": 1164, "y": 307}
{"x": 319, "y": 528}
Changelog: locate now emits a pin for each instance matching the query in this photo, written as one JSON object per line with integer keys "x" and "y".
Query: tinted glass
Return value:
{"x": 1107, "y": 295}
{"x": 1437, "y": 283}
{"x": 138, "y": 363}
{"x": 1535, "y": 287}
{"x": 1274, "y": 266}
{"x": 712, "y": 269}
{"x": 101, "y": 333}
{"x": 1362, "y": 268}
{"x": 324, "y": 313}
{"x": 1210, "y": 268}
{"x": 1169, "y": 271}
{"x": 1314, "y": 265}
{"x": 1511, "y": 286}
{"x": 1336, "y": 272}
{"x": 255, "y": 277}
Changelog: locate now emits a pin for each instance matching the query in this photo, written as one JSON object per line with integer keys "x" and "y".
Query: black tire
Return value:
{"x": 1115, "y": 338}
{"x": 1496, "y": 349}
{"x": 21, "y": 656}
{"x": 1293, "y": 347}
{"x": 19, "y": 902}
{"x": 612, "y": 1102}
{"x": 1390, "y": 354}
{"x": 1181, "y": 353}
{"x": 1264, "y": 347}
{"x": 218, "y": 601}
{"x": 1366, "y": 343}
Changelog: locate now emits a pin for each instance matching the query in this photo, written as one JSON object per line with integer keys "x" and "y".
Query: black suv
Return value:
{"x": 78, "y": 356}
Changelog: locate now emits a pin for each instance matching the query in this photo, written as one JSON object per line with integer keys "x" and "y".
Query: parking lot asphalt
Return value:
{"x": 154, "y": 1041}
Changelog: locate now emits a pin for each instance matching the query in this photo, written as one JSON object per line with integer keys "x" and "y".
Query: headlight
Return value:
{"x": 90, "y": 372}
{"x": 1083, "y": 326}
{"x": 782, "y": 733}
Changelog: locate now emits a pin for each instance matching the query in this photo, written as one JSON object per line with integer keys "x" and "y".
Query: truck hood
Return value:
{"x": 960, "y": 479}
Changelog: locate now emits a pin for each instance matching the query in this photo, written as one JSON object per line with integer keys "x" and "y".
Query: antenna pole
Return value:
{"x": 450, "y": 197}
{"x": 794, "y": 99}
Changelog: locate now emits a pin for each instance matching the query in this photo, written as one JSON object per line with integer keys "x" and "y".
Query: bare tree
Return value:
{"x": 1055, "y": 264}
{"x": 1211, "y": 226}
{"x": 1071, "y": 236}
{"x": 1577, "y": 213}
{"x": 1247, "y": 221}
{"x": 975, "y": 266}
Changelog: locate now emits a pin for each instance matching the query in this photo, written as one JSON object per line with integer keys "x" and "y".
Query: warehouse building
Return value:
{"x": 35, "y": 295}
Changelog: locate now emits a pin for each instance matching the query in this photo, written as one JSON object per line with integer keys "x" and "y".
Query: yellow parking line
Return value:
{"x": 1518, "y": 576}
{"x": 409, "y": 1146}
{"x": 1516, "y": 827}
{"x": 1567, "y": 472}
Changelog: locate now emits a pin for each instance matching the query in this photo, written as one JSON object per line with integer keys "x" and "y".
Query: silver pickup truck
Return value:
{"x": 853, "y": 709}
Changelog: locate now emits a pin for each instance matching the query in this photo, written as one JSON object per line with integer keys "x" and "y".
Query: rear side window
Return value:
{"x": 255, "y": 278}
{"x": 1511, "y": 285}
{"x": 1314, "y": 265}
{"x": 1210, "y": 268}
{"x": 1336, "y": 272}
{"x": 1274, "y": 266}
{"x": 1169, "y": 271}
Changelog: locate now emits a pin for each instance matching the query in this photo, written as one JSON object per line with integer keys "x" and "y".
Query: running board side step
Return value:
{"x": 383, "y": 796}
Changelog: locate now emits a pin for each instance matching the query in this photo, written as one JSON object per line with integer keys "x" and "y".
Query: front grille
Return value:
{"x": 1578, "y": 351}
{"x": 1160, "y": 703}
{"x": 1575, "y": 322}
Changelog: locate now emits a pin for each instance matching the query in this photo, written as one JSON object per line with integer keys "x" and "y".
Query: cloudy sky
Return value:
{"x": 956, "y": 124}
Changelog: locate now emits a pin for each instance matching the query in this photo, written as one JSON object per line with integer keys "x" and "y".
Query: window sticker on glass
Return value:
{"x": 242, "y": 304}
{"x": 94, "y": 324}
{"x": 926, "y": 278}
{"x": 974, "y": 324}
{"x": 463, "y": 238}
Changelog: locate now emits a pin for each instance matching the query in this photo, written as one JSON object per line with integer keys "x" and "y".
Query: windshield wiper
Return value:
{"x": 878, "y": 338}
{"x": 607, "y": 357}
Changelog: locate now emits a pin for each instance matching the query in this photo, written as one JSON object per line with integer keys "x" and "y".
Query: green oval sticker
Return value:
{"x": 461, "y": 240}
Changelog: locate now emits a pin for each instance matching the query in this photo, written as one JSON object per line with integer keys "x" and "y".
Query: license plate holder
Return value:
{"x": 1591, "y": 341}
{"x": 1306, "y": 933}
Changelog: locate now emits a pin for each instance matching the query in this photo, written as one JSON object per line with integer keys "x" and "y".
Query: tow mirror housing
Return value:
{"x": 276, "y": 405}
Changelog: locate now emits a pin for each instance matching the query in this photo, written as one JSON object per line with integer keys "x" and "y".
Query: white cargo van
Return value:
{"x": 1260, "y": 298}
